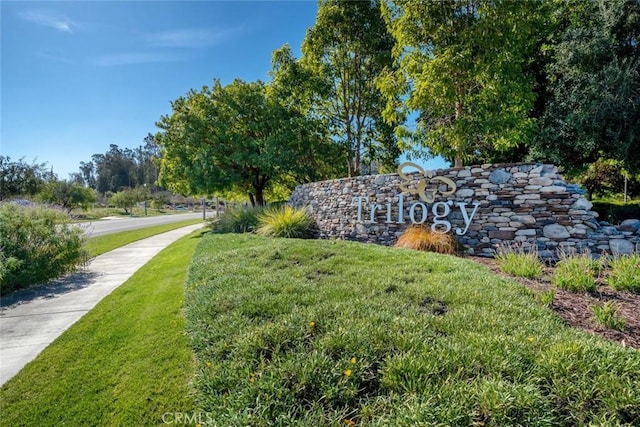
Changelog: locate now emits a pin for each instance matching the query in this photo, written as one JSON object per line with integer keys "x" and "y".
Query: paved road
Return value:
{"x": 116, "y": 224}
{"x": 31, "y": 319}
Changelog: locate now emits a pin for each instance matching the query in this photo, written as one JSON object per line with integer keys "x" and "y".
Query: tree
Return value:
{"x": 462, "y": 69}
{"x": 593, "y": 107}
{"x": 18, "y": 178}
{"x": 608, "y": 176}
{"x": 115, "y": 170}
{"x": 294, "y": 86}
{"x": 127, "y": 198}
{"x": 87, "y": 171}
{"x": 229, "y": 137}
{"x": 346, "y": 50}
{"x": 68, "y": 195}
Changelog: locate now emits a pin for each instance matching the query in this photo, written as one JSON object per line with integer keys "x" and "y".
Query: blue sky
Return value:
{"x": 78, "y": 76}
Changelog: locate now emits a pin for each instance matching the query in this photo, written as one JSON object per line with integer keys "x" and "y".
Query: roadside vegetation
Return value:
{"x": 126, "y": 362}
{"x": 325, "y": 332}
{"x": 38, "y": 244}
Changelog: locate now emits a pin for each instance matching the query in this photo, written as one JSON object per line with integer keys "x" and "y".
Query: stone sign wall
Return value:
{"x": 483, "y": 206}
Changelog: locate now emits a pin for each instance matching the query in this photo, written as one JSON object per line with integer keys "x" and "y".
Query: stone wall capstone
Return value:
{"x": 525, "y": 204}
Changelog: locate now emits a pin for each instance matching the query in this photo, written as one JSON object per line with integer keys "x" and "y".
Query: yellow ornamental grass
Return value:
{"x": 424, "y": 239}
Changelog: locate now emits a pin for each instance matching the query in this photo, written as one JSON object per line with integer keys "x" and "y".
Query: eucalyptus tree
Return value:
{"x": 115, "y": 169}
{"x": 233, "y": 137}
{"x": 345, "y": 51}
{"x": 462, "y": 71}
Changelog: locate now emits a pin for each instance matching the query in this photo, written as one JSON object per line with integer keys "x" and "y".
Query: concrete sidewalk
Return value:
{"x": 32, "y": 319}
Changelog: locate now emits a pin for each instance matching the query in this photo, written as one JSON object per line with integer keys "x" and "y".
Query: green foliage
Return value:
{"x": 607, "y": 315}
{"x": 285, "y": 221}
{"x": 345, "y": 51}
{"x": 545, "y": 298}
{"x": 234, "y": 137}
{"x": 68, "y": 195}
{"x": 516, "y": 261}
{"x": 127, "y": 198}
{"x": 302, "y": 332}
{"x": 463, "y": 68}
{"x": 121, "y": 168}
{"x": 237, "y": 220}
{"x": 575, "y": 272}
{"x": 38, "y": 244}
{"x": 593, "y": 85}
{"x": 625, "y": 273}
{"x": 125, "y": 363}
{"x": 18, "y": 178}
{"x": 607, "y": 176}
{"x": 615, "y": 211}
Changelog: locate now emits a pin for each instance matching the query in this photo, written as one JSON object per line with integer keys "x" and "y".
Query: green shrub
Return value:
{"x": 607, "y": 315}
{"x": 237, "y": 220}
{"x": 38, "y": 244}
{"x": 616, "y": 212}
{"x": 515, "y": 261}
{"x": 285, "y": 221}
{"x": 574, "y": 272}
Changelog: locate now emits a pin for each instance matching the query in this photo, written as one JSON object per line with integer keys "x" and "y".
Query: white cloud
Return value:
{"x": 194, "y": 37}
{"x": 133, "y": 58}
{"x": 49, "y": 19}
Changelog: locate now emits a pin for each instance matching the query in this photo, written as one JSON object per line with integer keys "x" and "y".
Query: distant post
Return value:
{"x": 204, "y": 210}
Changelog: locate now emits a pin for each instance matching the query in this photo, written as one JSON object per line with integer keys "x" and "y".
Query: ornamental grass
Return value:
{"x": 421, "y": 238}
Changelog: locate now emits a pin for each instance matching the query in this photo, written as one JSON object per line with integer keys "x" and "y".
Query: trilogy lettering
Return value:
{"x": 440, "y": 210}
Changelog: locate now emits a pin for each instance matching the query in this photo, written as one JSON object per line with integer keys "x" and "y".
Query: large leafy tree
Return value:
{"x": 593, "y": 91}
{"x": 345, "y": 51}
{"x": 462, "y": 69}
{"x": 232, "y": 137}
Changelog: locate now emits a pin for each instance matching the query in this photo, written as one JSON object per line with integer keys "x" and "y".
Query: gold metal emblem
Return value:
{"x": 428, "y": 187}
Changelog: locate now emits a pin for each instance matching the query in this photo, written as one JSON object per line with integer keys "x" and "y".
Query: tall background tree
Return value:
{"x": 462, "y": 71}
{"x": 345, "y": 51}
{"x": 18, "y": 178}
{"x": 592, "y": 106}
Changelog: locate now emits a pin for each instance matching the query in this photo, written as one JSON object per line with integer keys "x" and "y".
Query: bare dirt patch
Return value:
{"x": 575, "y": 308}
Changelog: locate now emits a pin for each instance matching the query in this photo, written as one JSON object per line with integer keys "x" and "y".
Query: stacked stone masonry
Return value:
{"x": 528, "y": 205}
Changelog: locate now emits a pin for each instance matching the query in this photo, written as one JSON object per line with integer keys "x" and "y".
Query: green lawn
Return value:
{"x": 125, "y": 363}
{"x": 105, "y": 243}
{"x": 291, "y": 332}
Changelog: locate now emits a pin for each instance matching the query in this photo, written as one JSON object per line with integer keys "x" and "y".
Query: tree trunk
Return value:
{"x": 458, "y": 163}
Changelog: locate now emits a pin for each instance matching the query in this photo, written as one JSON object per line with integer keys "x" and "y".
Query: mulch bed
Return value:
{"x": 575, "y": 308}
